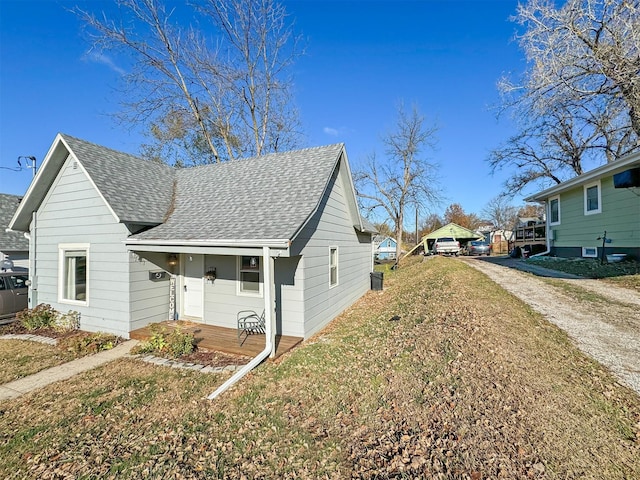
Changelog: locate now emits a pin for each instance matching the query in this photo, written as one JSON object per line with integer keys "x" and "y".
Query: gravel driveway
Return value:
{"x": 601, "y": 319}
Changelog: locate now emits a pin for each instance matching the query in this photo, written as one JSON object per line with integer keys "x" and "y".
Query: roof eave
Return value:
{"x": 39, "y": 186}
{"x": 609, "y": 168}
{"x": 243, "y": 243}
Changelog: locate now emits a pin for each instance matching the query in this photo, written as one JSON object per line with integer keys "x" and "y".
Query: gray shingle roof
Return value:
{"x": 138, "y": 191}
{"x": 10, "y": 240}
{"x": 268, "y": 197}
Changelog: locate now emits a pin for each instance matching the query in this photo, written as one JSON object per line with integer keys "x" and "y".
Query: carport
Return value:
{"x": 450, "y": 230}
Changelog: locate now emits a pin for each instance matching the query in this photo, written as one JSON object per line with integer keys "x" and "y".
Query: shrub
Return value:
{"x": 86, "y": 344}
{"x": 174, "y": 343}
{"x": 68, "y": 321}
{"x": 42, "y": 316}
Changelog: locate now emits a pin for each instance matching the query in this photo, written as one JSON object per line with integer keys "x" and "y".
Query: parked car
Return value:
{"x": 446, "y": 245}
{"x": 476, "y": 247}
{"x": 14, "y": 293}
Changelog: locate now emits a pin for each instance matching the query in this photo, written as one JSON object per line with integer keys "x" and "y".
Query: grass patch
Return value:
{"x": 579, "y": 294}
{"x": 625, "y": 274}
{"x": 418, "y": 381}
{"x": 19, "y": 358}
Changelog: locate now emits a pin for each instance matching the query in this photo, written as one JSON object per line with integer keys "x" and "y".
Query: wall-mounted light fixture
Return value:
{"x": 172, "y": 260}
{"x": 210, "y": 274}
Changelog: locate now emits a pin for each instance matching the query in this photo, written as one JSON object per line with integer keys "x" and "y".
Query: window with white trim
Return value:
{"x": 554, "y": 210}
{"x": 592, "y": 198}
{"x": 333, "y": 266}
{"x": 73, "y": 274}
{"x": 249, "y": 275}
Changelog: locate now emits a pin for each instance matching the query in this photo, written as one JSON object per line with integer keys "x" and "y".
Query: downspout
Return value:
{"x": 269, "y": 330}
{"x": 548, "y": 233}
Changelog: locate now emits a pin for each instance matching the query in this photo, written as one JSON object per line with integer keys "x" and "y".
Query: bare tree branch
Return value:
{"x": 579, "y": 100}
{"x": 206, "y": 98}
{"x": 404, "y": 177}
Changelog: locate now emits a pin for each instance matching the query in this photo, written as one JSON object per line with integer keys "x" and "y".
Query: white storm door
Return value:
{"x": 193, "y": 288}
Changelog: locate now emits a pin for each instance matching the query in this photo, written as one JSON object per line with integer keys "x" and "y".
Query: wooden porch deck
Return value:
{"x": 222, "y": 339}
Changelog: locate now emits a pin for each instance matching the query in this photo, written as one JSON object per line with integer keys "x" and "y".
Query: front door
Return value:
{"x": 193, "y": 285}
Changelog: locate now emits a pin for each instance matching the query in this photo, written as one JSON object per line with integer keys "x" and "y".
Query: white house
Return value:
{"x": 128, "y": 242}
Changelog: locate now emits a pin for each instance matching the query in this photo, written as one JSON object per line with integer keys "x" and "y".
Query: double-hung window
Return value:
{"x": 592, "y": 198}
{"x": 73, "y": 274}
{"x": 249, "y": 276}
{"x": 333, "y": 266}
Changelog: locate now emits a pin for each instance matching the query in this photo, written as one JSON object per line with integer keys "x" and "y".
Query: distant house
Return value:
{"x": 386, "y": 249}
{"x": 580, "y": 211}
{"x": 14, "y": 246}
{"x": 128, "y": 242}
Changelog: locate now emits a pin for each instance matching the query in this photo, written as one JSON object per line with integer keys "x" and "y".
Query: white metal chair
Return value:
{"x": 249, "y": 323}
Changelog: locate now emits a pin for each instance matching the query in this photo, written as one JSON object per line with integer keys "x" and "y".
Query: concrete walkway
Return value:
{"x": 63, "y": 372}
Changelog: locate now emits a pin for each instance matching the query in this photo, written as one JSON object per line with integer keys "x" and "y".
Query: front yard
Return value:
{"x": 441, "y": 375}
{"x": 19, "y": 358}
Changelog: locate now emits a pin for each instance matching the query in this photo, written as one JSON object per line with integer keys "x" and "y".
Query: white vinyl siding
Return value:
{"x": 119, "y": 295}
{"x": 331, "y": 226}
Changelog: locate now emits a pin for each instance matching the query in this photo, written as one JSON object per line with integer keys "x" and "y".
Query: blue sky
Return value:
{"x": 362, "y": 58}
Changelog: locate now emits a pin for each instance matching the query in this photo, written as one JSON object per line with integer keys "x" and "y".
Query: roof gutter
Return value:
{"x": 269, "y": 346}
{"x": 272, "y": 243}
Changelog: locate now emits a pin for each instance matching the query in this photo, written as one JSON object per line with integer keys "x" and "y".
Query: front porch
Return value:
{"x": 222, "y": 339}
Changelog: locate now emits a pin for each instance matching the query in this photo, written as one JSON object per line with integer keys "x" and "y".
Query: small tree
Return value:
{"x": 405, "y": 178}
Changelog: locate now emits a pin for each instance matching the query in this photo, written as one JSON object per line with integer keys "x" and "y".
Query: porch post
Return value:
{"x": 269, "y": 318}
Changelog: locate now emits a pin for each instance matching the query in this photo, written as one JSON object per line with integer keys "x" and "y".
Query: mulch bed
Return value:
{"x": 201, "y": 357}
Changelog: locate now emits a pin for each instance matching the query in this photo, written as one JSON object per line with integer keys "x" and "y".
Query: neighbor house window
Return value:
{"x": 74, "y": 274}
{"x": 554, "y": 211}
{"x": 592, "y": 200}
{"x": 249, "y": 276}
{"x": 333, "y": 266}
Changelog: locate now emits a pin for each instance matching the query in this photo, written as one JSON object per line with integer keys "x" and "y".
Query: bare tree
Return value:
{"x": 584, "y": 52}
{"x": 405, "y": 177}
{"x": 501, "y": 213}
{"x": 556, "y": 146}
{"x": 430, "y": 224}
{"x": 206, "y": 98}
{"x": 579, "y": 100}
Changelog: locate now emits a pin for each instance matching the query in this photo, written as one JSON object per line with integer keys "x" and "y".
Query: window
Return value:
{"x": 554, "y": 211}
{"x": 333, "y": 266}
{"x": 592, "y": 201}
{"x": 249, "y": 276}
{"x": 73, "y": 274}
